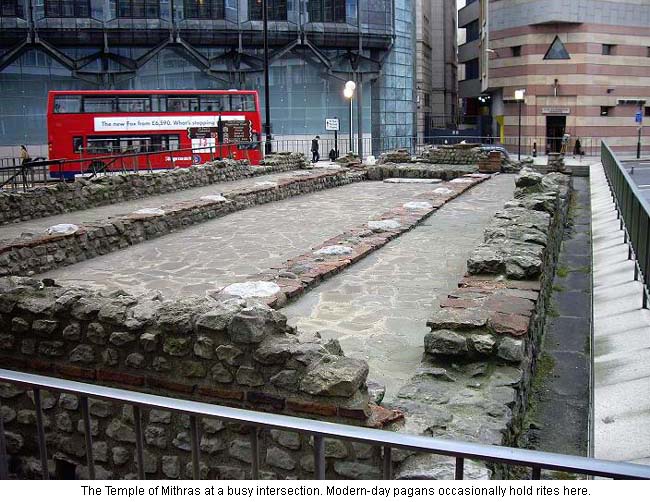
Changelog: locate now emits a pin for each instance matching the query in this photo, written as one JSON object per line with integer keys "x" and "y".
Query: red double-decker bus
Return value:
{"x": 150, "y": 129}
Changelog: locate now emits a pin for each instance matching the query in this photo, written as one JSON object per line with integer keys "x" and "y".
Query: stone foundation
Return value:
{"x": 481, "y": 353}
{"x": 45, "y": 252}
{"x": 85, "y": 194}
{"x": 420, "y": 170}
{"x": 234, "y": 352}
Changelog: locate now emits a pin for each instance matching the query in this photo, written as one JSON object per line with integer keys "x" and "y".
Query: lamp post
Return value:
{"x": 267, "y": 98}
{"x": 348, "y": 92}
{"x": 520, "y": 95}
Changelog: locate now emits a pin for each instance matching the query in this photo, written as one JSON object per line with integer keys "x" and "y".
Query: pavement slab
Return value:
{"x": 379, "y": 307}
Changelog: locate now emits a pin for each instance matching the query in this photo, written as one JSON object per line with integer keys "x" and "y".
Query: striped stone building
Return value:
{"x": 584, "y": 64}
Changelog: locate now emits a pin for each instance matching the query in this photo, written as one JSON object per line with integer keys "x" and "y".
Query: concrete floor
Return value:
{"x": 222, "y": 251}
{"x": 378, "y": 308}
{"x": 621, "y": 339}
{"x": 99, "y": 213}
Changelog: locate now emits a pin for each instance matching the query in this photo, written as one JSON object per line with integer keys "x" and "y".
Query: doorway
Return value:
{"x": 555, "y": 129}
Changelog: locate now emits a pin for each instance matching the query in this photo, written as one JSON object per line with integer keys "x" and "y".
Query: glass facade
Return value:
{"x": 277, "y": 10}
{"x": 67, "y": 8}
{"x": 393, "y": 94}
{"x": 304, "y": 89}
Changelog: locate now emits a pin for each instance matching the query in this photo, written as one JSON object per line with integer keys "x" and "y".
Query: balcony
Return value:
{"x": 469, "y": 51}
{"x": 471, "y": 12}
{"x": 469, "y": 88}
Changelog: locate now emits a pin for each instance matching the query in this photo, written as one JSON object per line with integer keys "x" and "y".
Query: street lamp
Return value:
{"x": 520, "y": 95}
{"x": 267, "y": 98}
{"x": 348, "y": 92}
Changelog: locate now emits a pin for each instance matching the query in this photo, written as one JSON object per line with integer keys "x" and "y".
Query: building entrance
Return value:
{"x": 555, "y": 129}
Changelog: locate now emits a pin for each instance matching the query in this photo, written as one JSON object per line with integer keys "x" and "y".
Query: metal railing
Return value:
{"x": 633, "y": 212}
{"x": 534, "y": 460}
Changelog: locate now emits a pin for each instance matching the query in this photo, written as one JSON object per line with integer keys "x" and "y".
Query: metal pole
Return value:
{"x": 519, "y": 152}
{"x": 359, "y": 119}
{"x": 351, "y": 140}
{"x": 638, "y": 146}
{"x": 267, "y": 97}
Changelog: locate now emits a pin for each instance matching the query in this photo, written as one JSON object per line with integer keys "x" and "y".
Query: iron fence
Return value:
{"x": 633, "y": 212}
{"x": 257, "y": 421}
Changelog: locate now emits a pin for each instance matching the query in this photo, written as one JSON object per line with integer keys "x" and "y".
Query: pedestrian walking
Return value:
{"x": 315, "y": 154}
{"x": 24, "y": 155}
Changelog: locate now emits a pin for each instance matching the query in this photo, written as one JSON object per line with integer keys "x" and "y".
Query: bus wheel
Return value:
{"x": 95, "y": 166}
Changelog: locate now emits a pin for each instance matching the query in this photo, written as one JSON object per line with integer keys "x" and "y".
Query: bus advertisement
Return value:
{"x": 169, "y": 128}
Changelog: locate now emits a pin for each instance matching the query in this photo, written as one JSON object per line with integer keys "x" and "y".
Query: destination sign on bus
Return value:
{"x": 161, "y": 123}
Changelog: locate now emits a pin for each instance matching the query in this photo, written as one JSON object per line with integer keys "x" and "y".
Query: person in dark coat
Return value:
{"x": 315, "y": 154}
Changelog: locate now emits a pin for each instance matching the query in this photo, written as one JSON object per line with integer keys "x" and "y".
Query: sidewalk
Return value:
{"x": 621, "y": 339}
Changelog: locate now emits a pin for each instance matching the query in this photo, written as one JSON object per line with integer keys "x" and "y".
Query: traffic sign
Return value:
{"x": 332, "y": 124}
{"x": 638, "y": 117}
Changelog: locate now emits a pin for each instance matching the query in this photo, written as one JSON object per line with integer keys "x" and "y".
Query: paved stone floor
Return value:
{"x": 621, "y": 339}
{"x": 99, "y": 213}
{"x": 216, "y": 253}
{"x": 379, "y": 307}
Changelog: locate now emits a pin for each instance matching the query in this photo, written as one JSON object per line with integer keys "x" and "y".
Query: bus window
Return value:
{"x": 159, "y": 103}
{"x": 182, "y": 104}
{"x": 77, "y": 144}
{"x": 103, "y": 146}
{"x": 212, "y": 103}
{"x": 99, "y": 105}
{"x": 242, "y": 103}
{"x": 134, "y": 105}
{"x": 174, "y": 143}
{"x": 67, "y": 104}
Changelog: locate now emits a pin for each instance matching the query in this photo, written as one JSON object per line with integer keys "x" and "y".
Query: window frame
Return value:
{"x": 129, "y": 4}
{"x": 80, "y": 8}
{"x": 12, "y": 8}
{"x": 516, "y": 51}
{"x": 608, "y": 49}
{"x": 212, "y": 11}
{"x": 605, "y": 110}
{"x": 277, "y": 10}
{"x": 77, "y": 98}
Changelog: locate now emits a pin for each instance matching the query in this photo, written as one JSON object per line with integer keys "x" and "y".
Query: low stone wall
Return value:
{"x": 84, "y": 194}
{"x": 480, "y": 355}
{"x": 454, "y": 154}
{"x": 419, "y": 170}
{"x": 234, "y": 352}
{"x": 43, "y": 253}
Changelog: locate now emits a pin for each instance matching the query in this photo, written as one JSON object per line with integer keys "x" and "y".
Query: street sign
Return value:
{"x": 331, "y": 124}
{"x": 638, "y": 117}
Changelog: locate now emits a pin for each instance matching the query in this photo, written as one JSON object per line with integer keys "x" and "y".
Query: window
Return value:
{"x": 427, "y": 99}
{"x": 472, "y": 31}
{"x": 134, "y": 105}
{"x": 648, "y": 52}
{"x": 608, "y": 49}
{"x": 242, "y": 103}
{"x": 11, "y": 8}
{"x": 213, "y": 103}
{"x": 103, "y": 145}
{"x": 604, "y": 111}
{"x": 516, "y": 51}
{"x": 327, "y": 11}
{"x": 647, "y": 111}
{"x": 204, "y": 9}
{"x": 99, "y": 105}
{"x": 67, "y": 104}
{"x": 471, "y": 70}
{"x": 67, "y": 8}
{"x": 182, "y": 104}
{"x": 557, "y": 50}
{"x": 139, "y": 9}
{"x": 277, "y": 10}
{"x": 77, "y": 144}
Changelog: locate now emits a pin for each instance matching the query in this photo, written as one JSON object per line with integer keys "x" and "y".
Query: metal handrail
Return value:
{"x": 460, "y": 450}
{"x": 633, "y": 211}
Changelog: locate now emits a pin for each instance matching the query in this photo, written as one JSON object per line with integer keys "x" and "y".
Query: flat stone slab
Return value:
{"x": 253, "y": 289}
{"x": 424, "y": 181}
{"x": 62, "y": 229}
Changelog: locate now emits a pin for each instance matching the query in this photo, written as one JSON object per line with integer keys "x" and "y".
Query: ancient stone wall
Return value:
{"x": 419, "y": 170}
{"x": 86, "y": 194}
{"x": 232, "y": 352}
{"x": 453, "y": 154}
{"x": 474, "y": 381}
{"x": 46, "y": 252}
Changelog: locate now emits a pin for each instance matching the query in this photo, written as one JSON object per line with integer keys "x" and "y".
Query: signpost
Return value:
{"x": 638, "y": 118}
{"x": 334, "y": 125}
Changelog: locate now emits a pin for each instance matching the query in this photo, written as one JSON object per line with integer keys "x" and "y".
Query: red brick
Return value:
{"x": 158, "y": 383}
{"x": 355, "y": 413}
{"x": 260, "y": 398}
{"x": 120, "y": 377}
{"x": 324, "y": 410}
{"x": 509, "y": 324}
{"x": 75, "y": 371}
{"x": 12, "y": 362}
{"x": 234, "y": 395}
{"x": 380, "y": 417}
